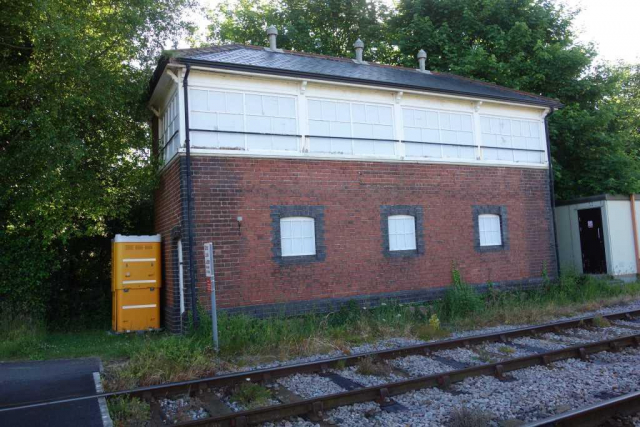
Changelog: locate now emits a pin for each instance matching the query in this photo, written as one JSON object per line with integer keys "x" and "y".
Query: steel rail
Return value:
{"x": 192, "y": 387}
{"x": 381, "y": 393}
{"x": 595, "y": 414}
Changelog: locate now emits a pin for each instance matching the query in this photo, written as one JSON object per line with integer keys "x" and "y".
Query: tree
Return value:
{"x": 74, "y": 141}
{"x": 523, "y": 44}
{"x": 529, "y": 45}
{"x": 328, "y": 27}
{"x": 596, "y": 140}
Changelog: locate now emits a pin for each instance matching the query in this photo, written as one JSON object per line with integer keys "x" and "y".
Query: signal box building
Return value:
{"x": 321, "y": 180}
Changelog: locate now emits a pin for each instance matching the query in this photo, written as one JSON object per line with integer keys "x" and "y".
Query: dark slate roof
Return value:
{"x": 296, "y": 64}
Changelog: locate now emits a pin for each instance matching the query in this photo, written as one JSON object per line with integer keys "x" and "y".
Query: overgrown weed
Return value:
{"x": 251, "y": 395}
{"x": 374, "y": 367}
{"x": 129, "y": 412}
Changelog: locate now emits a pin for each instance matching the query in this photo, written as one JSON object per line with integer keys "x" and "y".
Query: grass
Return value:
{"x": 371, "y": 366}
{"x": 601, "y": 322}
{"x": 506, "y": 350}
{"x": 137, "y": 360}
{"x": 466, "y": 417}
{"x": 128, "y": 412}
{"x": 251, "y": 395}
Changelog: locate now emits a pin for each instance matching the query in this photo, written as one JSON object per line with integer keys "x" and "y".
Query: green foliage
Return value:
{"x": 529, "y": 45}
{"x": 326, "y": 27}
{"x": 74, "y": 144}
{"x": 128, "y": 411}
{"x": 251, "y": 395}
{"x": 374, "y": 367}
{"x": 460, "y": 300}
{"x": 522, "y": 44}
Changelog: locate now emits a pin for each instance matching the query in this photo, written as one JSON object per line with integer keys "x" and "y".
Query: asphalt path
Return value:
{"x": 22, "y": 383}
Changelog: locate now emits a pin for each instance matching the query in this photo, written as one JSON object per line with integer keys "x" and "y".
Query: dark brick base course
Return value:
{"x": 403, "y": 297}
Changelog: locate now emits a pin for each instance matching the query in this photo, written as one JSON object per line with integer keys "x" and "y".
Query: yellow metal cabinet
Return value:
{"x": 135, "y": 283}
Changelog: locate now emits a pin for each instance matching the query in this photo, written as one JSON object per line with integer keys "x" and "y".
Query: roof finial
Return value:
{"x": 359, "y": 45}
{"x": 272, "y": 33}
{"x": 422, "y": 60}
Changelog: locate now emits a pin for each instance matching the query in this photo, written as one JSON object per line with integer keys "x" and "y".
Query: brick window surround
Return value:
{"x": 415, "y": 211}
{"x": 501, "y": 211}
{"x": 317, "y": 213}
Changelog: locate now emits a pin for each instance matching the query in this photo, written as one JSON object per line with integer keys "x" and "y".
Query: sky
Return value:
{"x": 611, "y": 24}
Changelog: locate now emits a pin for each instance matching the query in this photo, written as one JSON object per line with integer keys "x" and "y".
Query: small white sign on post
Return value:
{"x": 211, "y": 288}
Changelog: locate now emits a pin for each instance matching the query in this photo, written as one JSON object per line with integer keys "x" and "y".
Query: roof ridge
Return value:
{"x": 190, "y": 53}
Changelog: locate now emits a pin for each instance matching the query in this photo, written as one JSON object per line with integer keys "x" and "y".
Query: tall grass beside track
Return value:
{"x": 134, "y": 360}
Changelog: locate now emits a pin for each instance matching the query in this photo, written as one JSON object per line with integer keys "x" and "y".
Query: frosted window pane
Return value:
{"x": 358, "y": 112}
{"x": 362, "y": 130}
{"x": 343, "y": 113}
{"x": 420, "y": 118}
{"x": 535, "y": 130}
{"x": 198, "y": 99}
{"x": 372, "y": 114}
{"x": 430, "y": 135}
{"x": 315, "y": 110}
{"x": 412, "y": 134}
{"x": 465, "y": 123}
{"x": 363, "y": 147}
{"x": 259, "y": 124}
{"x": 233, "y": 122}
{"x": 200, "y": 120}
{"x": 489, "y": 230}
{"x": 216, "y": 102}
{"x": 402, "y": 233}
{"x": 384, "y": 148}
{"x": 297, "y": 236}
{"x": 259, "y": 142}
{"x": 319, "y": 128}
{"x": 445, "y": 121}
{"x": 254, "y": 104}
{"x": 432, "y": 151}
{"x": 234, "y": 103}
{"x": 382, "y": 132}
{"x": 329, "y": 110}
{"x": 320, "y": 145}
{"x": 284, "y": 143}
{"x": 407, "y": 117}
{"x": 231, "y": 141}
{"x": 432, "y": 120}
{"x": 204, "y": 139}
{"x": 287, "y": 107}
{"x": 270, "y": 105}
{"x": 414, "y": 150}
{"x": 384, "y": 115}
{"x": 465, "y": 138}
{"x": 340, "y": 129}
{"x": 280, "y": 125}
{"x": 456, "y": 123}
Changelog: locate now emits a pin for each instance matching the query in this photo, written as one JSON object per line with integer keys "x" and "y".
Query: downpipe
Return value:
{"x": 187, "y": 141}
{"x": 552, "y": 195}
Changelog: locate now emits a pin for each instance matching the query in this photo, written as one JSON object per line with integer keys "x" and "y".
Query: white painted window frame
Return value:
{"x": 395, "y": 102}
{"x": 404, "y": 220}
{"x": 489, "y": 237}
{"x": 297, "y": 219}
{"x": 394, "y": 123}
{"x": 441, "y": 144}
{"x": 541, "y": 137}
{"x": 244, "y": 93}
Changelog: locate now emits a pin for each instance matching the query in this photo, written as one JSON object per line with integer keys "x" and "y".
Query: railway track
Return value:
{"x": 571, "y": 339}
{"x": 595, "y": 414}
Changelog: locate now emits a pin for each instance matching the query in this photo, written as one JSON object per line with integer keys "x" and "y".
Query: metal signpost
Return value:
{"x": 211, "y": 287}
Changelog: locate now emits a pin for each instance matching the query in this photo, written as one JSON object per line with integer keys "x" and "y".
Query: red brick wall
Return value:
{"x": 352, "y": 193}
{"x": 168, "y": 218}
